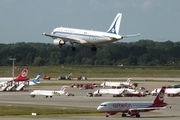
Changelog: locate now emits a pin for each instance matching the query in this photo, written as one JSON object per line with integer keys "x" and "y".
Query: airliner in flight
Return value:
{"x": 133, "y": 108}
{"x": 61, "y": 35}
{"x": 21, "y": 77}
{"x": 48, "y": 93}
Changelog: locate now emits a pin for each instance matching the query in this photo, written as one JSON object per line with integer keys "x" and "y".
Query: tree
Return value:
{"x": 38, "y": 61}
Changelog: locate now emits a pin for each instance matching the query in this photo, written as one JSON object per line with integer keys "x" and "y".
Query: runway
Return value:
{"x": 81, "y": 101}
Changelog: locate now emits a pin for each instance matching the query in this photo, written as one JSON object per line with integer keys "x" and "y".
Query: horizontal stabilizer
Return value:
{"x": 133, "y": 35}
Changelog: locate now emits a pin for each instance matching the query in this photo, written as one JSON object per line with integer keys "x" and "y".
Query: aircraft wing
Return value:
{"x": 126, "y": 92}
{"x": 172, "y": 92}
{"x": 117, "y": 37}
{"x": 124, "y": 84}
{"x": 66, "y": 39}
{"x": 145, "y": 109}
{"x": 118, "y": 91}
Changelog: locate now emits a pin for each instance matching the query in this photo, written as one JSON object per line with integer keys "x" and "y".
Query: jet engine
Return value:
{"x": 58, "y": 42}
{"x": 133, "y": 112}
{"x": 112, "y": 113}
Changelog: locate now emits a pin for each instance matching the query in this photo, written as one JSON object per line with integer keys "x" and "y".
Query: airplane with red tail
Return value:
{"x": 133, "y": 108}
{"x": 21, "y": 77}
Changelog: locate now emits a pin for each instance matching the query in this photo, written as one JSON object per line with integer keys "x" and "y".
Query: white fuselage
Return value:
{"x": 109, "y": 91}
{"x": 46, "y": 92}
{"x": 122, "y": 106}
{"x": 117, "y": 84}
{"x": 167, "y": 91}
{"x": 42, "y": 92}
{"x": 5, "y": 79}
{"x": 112, "y": 91}
{"x": 85, "y": 36}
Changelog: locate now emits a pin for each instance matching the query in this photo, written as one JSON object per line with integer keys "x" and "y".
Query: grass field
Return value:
{"x": 95, "y": 71}
{"x": 42, "y": 111}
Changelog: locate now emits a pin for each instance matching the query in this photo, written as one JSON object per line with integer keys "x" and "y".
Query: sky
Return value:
{"x": 26, "y": 20}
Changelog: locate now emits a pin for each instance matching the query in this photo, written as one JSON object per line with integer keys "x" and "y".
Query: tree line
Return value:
{"x": 142, "y": 52}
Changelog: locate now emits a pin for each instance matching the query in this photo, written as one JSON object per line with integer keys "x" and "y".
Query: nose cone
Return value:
{"x": 99, "y": 108}
{"x": 52, "y": 33}
{"x": 95, "y": 92}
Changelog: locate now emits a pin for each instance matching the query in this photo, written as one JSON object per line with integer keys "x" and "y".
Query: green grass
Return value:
{"x": 95, "y": 71}
{"x": 43, "y": 111}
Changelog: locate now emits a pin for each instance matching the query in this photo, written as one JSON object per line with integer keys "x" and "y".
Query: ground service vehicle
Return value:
{"x": 46, "y": 77}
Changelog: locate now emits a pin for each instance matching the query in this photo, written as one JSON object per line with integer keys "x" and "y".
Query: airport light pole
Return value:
{"x": 13, "y": 59}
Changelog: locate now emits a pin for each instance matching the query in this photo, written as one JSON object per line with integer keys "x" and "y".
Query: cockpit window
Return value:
{"x": 103, "y": 105}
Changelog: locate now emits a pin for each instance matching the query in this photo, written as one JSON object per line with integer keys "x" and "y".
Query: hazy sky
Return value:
{"x": 26, "y": 20}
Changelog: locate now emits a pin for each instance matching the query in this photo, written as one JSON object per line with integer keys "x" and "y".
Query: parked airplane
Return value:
{"x": 61, "y": 35}
{"x": 18, "y": 85}
{"x": 48, "y": 93}
{"x": 122, "y": 92}
{"x": 133, "y": 108}
{"x": 21, "y": 77}
{"x": 117, "y": 84}
{"x": 35, "y": 81}
{"x": 108, "y": 91}
{"x": 175, "y": 91}
{"x": 137, "y": 93}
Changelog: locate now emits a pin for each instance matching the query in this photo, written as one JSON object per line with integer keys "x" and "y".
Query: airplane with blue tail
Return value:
{"x": 62, "y": 35}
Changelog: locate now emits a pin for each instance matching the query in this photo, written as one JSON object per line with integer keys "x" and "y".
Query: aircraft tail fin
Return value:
{"x": 128, "y": 80}
{"x": 22, "y": 76}
{"x": 63, "y": 89}
{"x": 114, "y": 28}
{"x": 160, "y": 97}
{"x": 37, "y": 79}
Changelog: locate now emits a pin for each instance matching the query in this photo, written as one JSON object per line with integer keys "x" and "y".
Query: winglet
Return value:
{"x": 133, "y": 35}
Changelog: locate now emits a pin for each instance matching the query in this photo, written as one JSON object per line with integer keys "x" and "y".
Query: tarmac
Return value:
{"x": 81, "y": 101}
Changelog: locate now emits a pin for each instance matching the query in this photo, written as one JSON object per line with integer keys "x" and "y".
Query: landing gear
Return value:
{"x": 138, "y": 115}
{"x": 93, "y": 48}
{"x": 107, "y": 115}
{"x": 123, "y": 115}
{"x": 32, "y": 96}
{"x": 73, "y": 48}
